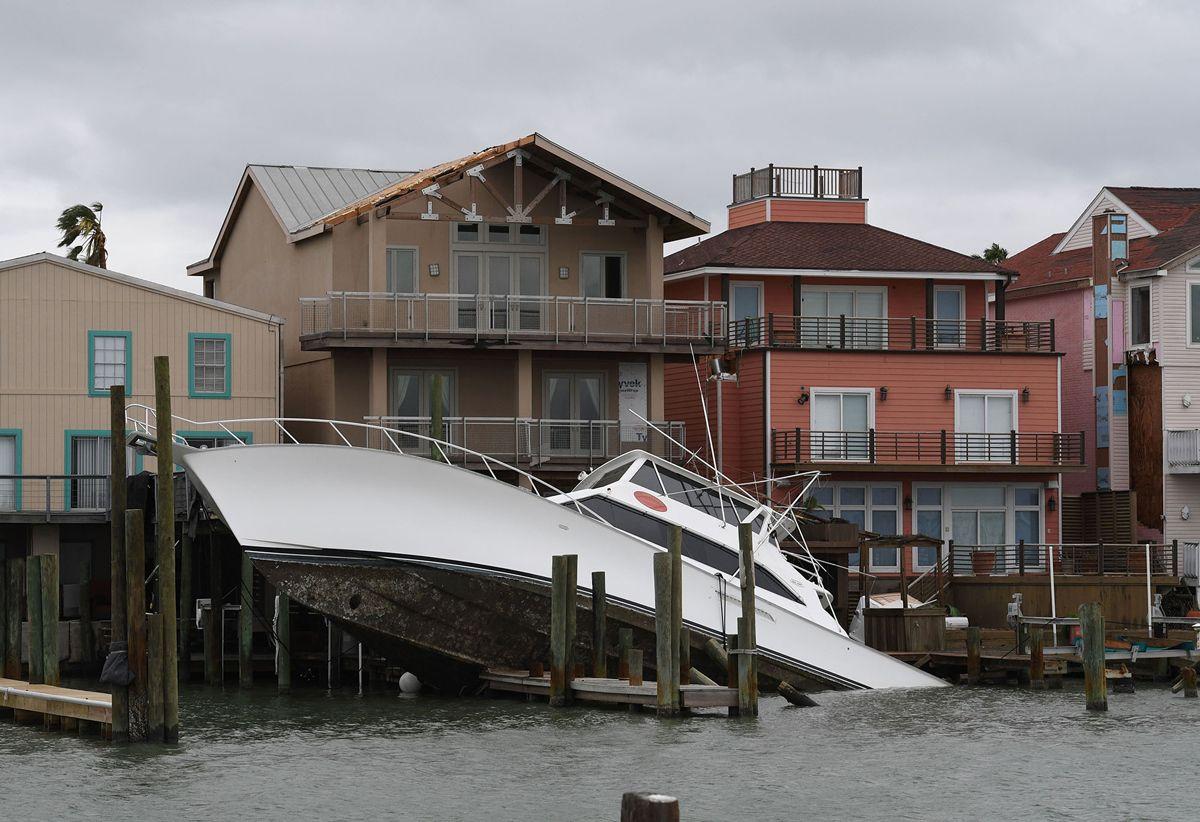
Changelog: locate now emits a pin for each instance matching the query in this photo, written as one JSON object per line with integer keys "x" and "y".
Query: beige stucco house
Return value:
{"x": 525, "y": 276}
{"x": 68, "y": 331}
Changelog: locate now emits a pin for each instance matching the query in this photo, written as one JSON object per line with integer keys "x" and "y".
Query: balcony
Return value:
{"x": 530, "y": 443}
{"x": 1092, "y": 559}
{"x": 927, "y": 450}
{"x": 890, "y": 334}
{"x": 54, "y": 498}
{"x": 798, "y": 181}
{"x": 344, "y": 318}
{"x": 1183, "y": 451}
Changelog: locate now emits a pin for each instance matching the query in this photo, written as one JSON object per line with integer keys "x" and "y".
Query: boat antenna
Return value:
{"x": 704, "y": 408}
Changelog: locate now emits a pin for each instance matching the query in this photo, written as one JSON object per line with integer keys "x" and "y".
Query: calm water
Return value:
{"x": 946, "y": 754}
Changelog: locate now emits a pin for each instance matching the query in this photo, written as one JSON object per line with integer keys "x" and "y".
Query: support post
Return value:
{"x": 624, "y": 646}
{"x": 974, "y": 662}
{"x": 12, "y": 650}
{"x": 599, "y": 626}
{"x": 116, "y": 526}
{"x": 214, "y": 646}
{"x": 636, "y": 666}
{"x": 283, "y": 636}
{"x": 165, "y": 532}
{"x": 135, "y": 625}
{"x": 649, "y": 807}
{"x": 1037, "y": 660}
{"x": 675, "y": 551}
{"x": 561, "y": 662}
{"x": 685, "y": 656}
{"x": 747, "y": 638}
{"x": 1189, "y": 682}
{"x": 155, "y": 676}
{"x": 87, "y": 640}
{"x": 664, "y": 637}
{"x": 184, "y": 647}
{"x": 1091, "y": 625}
{"x": 50, "y": 612}
{"x": 245, "y": 625}
{"x": 33, "y": 610}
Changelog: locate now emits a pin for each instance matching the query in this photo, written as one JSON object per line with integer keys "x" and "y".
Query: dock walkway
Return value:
{"x": 66, "y": 708}
{"x": 613, "y": 691}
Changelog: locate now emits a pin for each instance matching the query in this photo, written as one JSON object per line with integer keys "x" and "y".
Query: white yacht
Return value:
{"x": 449, "y": 566}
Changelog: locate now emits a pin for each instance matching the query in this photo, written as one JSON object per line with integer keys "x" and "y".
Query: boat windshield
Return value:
{"x": 703, "y": 498}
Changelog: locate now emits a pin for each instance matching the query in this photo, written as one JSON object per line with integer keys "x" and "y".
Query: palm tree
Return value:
{"x": 995, "y": 254}
{"x": 79, "y": 222}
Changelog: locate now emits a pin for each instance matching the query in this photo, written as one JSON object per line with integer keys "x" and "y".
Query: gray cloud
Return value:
{"x": 975, "y": 122}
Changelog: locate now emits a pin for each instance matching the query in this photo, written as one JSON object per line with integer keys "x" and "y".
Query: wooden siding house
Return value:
{"x": 526, "y": 277}
{"x": 67, "y": 332}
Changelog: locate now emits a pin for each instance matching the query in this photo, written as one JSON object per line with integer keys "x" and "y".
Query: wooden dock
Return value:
{"x": 612, "y": 691}
{"x": 54, "y": 707}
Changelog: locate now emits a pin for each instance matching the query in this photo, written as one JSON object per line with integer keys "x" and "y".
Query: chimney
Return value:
{"x": 797, "y": 194}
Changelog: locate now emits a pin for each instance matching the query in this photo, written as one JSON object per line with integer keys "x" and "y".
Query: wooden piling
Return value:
{"x": 1188, "y": 675}
{"x": 731, "y": 669}
{"x": 636, "y": 666}
{"x": 50, "y": 613}
{"x": 33, "y": 613}
{"x": 599, "y": 626}
{"x": 974, "y": 660}
{"x": 283, "y": 636}
{"x": 624, "y": 646}
{"x": 649, "y": 807}
{"x": 135, "y": 621}
{"x": 184, "y": 643}
{"x": 155, "y": 674}
{"x": 87, "y": 639}
{"x": 562, "y": 667}
{"x": 675, "y": 551}
{"x": 747, "y": 636}
{"x": 666, "y": 646}
{"x": 116, "y": 542}
{"x": 164, "y": 502}
{"x": 214, "y": 648}
{"x": 3, "y": 614}
{"x": 685, "y": 656}
{"x": 1095, "y": 685}
{"x": 1037, "y": 660}
{"x": 571, "y": 605}
{"x": 12, "y": 645}
{"x": 245, "y": 625}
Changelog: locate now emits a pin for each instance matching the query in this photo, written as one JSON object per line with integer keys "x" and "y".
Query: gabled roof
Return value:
{"x": 823, "y": 247}
{"x": 137, "y": 282}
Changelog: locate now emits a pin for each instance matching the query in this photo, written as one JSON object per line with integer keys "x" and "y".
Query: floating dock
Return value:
{"x": 612, "y": 691}
{"x": 54, "y": 707}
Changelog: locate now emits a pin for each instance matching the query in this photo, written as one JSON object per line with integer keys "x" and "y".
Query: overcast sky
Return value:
{"x": 974, "y": 122}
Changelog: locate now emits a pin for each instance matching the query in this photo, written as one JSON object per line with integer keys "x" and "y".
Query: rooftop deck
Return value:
{"x": 798, "y": 181}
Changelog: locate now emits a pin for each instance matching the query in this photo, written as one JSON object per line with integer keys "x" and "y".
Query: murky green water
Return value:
{"x": 946, "y": 754}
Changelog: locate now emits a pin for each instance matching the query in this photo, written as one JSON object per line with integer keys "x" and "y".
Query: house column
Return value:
{"x": 525, "y": 389}
{"x": 658, "y": 402}
{"x": 376, "y": 254}
{"x": 377, "y": 403}
{"x": 930, "y": 310}
{"x": 654, "y": 258}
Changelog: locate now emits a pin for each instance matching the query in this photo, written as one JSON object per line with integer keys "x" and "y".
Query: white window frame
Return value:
{"x": 821, "y": 337}
{"x": 422, "y": 373}
{"x": 815, "y": 453}
{"x": 960, "y": 332}
{"x": 917, "y": 507}
{"x": 1040, "y": 507}
{"x": 868, "y": 508}
{"x": 416, "y": 250}
{"x": 1132, "y": 287}
{"x": 1189, "y": 285}
{"x": 872, "y": 566}
{"x": 624, "y": 271}
{"x": 960, "y": 452}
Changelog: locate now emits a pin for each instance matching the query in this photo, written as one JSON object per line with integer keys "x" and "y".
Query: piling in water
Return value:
{"x": 87, "y": 640}
{"x": 185, "y": 605}
{"x": 3, "y": 614}
{"x": 1095, "y": 684}
{"x": 666, "y": 647}
{"x": 33, "y": 609}
{"x": 1037, "y": 660}
{"x": 116, "y": 525}
{"x": 1189, "y": 682}
{"x": 685, "y": 656}
{"x": 165, "y": 533}
{"x": 649, "y": 807}
{"x": 747, "y": 635}
{"x": 135, "y": 621}
{"x": 155, "y": 669}
{"x": 245, "y": 625}
{"x": 283, "y": 638}
{"x": 624, "y": 645}
{"x": 50, "y": 611}
{"x": 974, "y": 660}
{"x": 12, "y": 607}
{"x": 636, "y": 666}
{"x": 599, "y": 626}
{"x": 561, "y": 664}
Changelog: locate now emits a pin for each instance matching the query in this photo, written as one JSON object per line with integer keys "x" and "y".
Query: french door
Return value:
{"x": 500, "y": 291}
{"x": 412, "y": 402}
{"x": 579, "y": 399}
{"x": 822, "y": 309}
{"x": 983, "y": 426}
{"x": 840, "y": 422}
{"x": 949, "y": 316}
{"x": 746, "y": 311}
{"x": 92, "y": 454}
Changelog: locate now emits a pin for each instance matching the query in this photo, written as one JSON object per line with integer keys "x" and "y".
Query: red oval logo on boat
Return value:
{"x": 650, "y": 501}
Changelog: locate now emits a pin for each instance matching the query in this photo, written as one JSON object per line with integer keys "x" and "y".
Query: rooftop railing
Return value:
{"x": 798, "y": 181}
{"x": 796, "y": 446}
{"x": 847, "y": 333}
{"x": 508, "y": 318}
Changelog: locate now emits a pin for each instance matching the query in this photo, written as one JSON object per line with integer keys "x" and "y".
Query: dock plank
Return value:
{"x": 51, "y": 700}
{"x": 612, "y": 691}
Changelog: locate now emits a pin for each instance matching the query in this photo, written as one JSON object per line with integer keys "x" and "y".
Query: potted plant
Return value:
{"x": 983, "y": 562}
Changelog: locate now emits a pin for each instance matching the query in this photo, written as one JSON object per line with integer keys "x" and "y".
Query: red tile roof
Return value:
{"x": 823, "y": 246}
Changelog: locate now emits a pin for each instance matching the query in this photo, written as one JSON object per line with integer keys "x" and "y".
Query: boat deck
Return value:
{"x": 65, "y": 708}
{"x": 613, "y": 691}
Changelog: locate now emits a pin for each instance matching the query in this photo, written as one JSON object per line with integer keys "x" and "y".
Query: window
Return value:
{"x": 208, "y": 366}
{"x": 109, "y": 361}
{"x": 874, "y": 507}
{"x": 1194, "y": 313}
{"x": 983, "y": 425}
{"x": 822, "y": 310}
{"x": 530, "y": 235}
{"x": 949, "y": 315}
{"x": 90, "y": 453}
{"x": 927, "y": 521}
{"x": 1139, "y": 315}
{"x": 10, "y": 464}
{"x": 1027, "y": 519}
{"x": 603, "y": 275}
{"x": 1117, "y": 242}
{"x": 573, "y": 399}
{"x": 840, "y": 421}
{"x": 701, "y": 497}
{"x": 466, "y": 232}
{"x": 412, "y": 392}
{"x": 220, "y": 439}
{"x": 402, "y": 271}
{"x": 885, "y": 521}
{"x": 746, "y": 312}
{"x": 499, "y": 234}
{"x": 506, "y": 285}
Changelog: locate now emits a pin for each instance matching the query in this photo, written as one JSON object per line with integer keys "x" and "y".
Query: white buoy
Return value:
{"x": 409, "y": 684}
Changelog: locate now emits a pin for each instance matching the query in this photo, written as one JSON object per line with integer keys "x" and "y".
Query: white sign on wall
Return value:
{"x": 633, "y": 390}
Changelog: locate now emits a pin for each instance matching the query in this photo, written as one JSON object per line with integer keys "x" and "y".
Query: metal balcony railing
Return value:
{"x": 1029, "y": 559}
{"x": 42, "y": 495}
{"x": 847, "y": 333}
{"x": 798, "y": 181}
{"x": 1183, "y": 451}
{"x": 535, "y": 442}
{"x": 873, "y": 447}
{"x": 346, "y": 314}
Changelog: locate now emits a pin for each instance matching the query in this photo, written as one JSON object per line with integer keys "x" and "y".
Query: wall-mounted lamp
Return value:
{"x": 908, "y": 503}
{"x": 949, "y": 393}
{"x": 1051, "y": 505}
{"x": 803, "y": 398}
{"x": 883, "y": 393}
{"x": 1025, "y": 394}
{"x": 434, "y": 269}
{"x": 564, "y": 272}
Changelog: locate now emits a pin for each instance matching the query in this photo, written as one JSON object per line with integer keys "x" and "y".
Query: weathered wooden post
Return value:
{"x": 675, "y": 551}
{"x": 3, "y": 614}
{"x": 1091, "y": 625}
{"x": 649, "y": 807}
{"x": 50, "y": 612}
{"x": 12, "y": 645}
{"x": 283, "y": 638}
{"x": 87, "y": 639}
{"x": 33, "y": 609}
{"x": 155, "y": 674}
{"x": 116, "y": 526}
{"x": 1188, "y": 675}
{"x": 185, "y": 605}
{"x": 599, "y": 626}
{"x": 685, "y": 656}
{"x": 731, "y": 664}
{"x": 561, "y": 667}
{"x": 1037, "y": 660}
{"x": 135, "y": 615}
{"x": 636, "y": 666}
{"x": 974, "y": 659}
{"x": 164, "y": 508}
{"x": 624, "y": 646}
{"x": 245, "y": 625}
{"x": 747, "y": 638}
{"x": 665, "y": 644}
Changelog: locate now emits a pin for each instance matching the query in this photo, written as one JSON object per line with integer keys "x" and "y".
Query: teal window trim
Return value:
{"x": 69, "y": 469}
{"x": 91, "y": 362}
{"x": 17, "y": 434}
{"x": 201, "y": 395}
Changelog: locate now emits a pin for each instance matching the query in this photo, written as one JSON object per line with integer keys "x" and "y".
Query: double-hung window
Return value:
{"x": 841, "y": 423}
{"x": 1139, "y": 315}
{"x": 209, "y": 366}
{"x": 984, "y": 422}
{"x": 109, "y": 361}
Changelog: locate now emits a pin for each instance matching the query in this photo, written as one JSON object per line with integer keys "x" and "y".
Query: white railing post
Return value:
{"x": 343, "y": 315}
{"x": 635, "y": 320}
{"x": 1149, "y": 596}
{"x": 395, "y": 316}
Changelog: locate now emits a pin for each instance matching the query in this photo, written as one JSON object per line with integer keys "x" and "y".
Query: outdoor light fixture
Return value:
{"x": 908, "y": 503}
{"x": 1025, "y": 394}
{"x": 883, "y": 393}
{"x": 564, "y": 272}
{"x": 949, "y": 393}
{"x": 434, "y": 269}
{"x": 1051, "y": 505}
{"x": 803, "y": 398}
